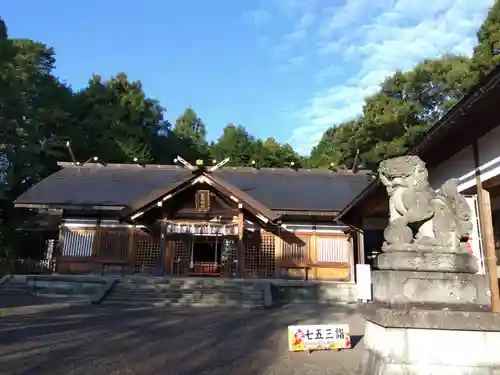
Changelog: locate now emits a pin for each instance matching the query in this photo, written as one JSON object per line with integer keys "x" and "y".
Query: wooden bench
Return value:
{"x": 205, "y": 269}
{"x": 299, "y": 267}
{"x": 106, "y": 263}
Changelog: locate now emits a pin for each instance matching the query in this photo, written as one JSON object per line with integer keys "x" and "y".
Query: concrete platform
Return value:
{"x": 431, "y": 342}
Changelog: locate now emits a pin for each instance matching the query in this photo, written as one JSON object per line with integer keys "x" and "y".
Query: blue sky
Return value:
{"x": 283, "y": 68}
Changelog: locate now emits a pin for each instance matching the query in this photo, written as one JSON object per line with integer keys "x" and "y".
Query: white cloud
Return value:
{"x": 375, "y": 41}
{"x": 292, "y": 62}
{"x": 355, "y": 45}
{"x": 298, "y": 33}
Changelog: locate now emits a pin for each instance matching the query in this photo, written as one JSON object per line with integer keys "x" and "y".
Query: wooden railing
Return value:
{"x": 205, "y": 269}
{"x": 26, "y": 266}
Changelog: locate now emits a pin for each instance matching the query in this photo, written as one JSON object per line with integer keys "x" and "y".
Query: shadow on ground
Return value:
{"x": 105, "y": 341}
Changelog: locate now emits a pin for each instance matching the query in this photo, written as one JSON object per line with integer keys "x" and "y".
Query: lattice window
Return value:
{"x": 296, "y": 249}
{"x": 77, "y": 243}
{"x": 113, "y": 244}
{"x": 333, "y": 250}
{"x": 228, "y": 257}
{"x": 50, "y": 246}
{"x": 182, "y": 255}
{"x": 147, "y": 253}
{"x": 260, "y": 256}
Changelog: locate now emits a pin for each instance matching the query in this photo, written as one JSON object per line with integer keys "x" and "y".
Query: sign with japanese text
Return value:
{"x": 203, "y": 201}
{"x": 318, "y": 337}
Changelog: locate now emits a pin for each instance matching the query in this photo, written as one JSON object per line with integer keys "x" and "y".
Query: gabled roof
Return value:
{"x": 128, "y": 186}
{"x": 200, "y": 176}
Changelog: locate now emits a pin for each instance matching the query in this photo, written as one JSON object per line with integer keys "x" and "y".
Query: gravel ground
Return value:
{"x": 96, "y": 340}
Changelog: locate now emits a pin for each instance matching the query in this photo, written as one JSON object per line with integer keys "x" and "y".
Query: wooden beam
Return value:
{"x": 361, "y": 246}
{"x": 241, "y": 244}
{"x": 163, "y": 247}
{"x": 313, "y": 254}
{"x": 486, "y": 221}
{"x": 59, "y": 246}
{"x": 491, "y": 259}
{"x": 130, "y": 246}
{"x": 278, "y": 252}
{"x": 97, "y": 239}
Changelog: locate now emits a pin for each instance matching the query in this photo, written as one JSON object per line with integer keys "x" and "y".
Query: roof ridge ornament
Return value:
{"x": 186, "y": 164}
{"x": 94, "y": 159}
{"x": 218, "y": 165}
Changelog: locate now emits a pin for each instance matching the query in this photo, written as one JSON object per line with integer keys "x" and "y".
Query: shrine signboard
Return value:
{"x": 203, "y": 201}
{"x": 319, "y": 337}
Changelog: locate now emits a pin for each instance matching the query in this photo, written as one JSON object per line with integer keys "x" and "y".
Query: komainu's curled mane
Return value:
{"x": 418, "y": 215}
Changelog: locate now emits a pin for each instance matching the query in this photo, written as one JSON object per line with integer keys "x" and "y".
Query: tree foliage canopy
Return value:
{"x": 407, "y": 104}
{"x": 115, "y": 120}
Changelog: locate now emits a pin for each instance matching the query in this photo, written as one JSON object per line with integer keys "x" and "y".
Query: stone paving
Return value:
{"x": 97, "y": 340}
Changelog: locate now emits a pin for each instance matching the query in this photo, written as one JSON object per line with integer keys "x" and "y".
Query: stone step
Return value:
{"x": 181, "y": 301}
{"x": 8, "y": 291}
{"x": 133, "y": 292}
{"x": 184, "y": 286}
{"x": 185, "y": 293}
{"x": 13, "y": 287}
{"x": 188, "y": 290}
{"x": 167, "y": 303}
{"x": 177, "y": 295}
{"x": 180, "y": 298}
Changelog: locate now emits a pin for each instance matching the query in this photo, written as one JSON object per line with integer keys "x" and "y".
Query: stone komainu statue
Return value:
{"x": 419, "y": 216}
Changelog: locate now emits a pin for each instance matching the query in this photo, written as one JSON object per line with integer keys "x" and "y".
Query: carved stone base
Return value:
{"x": 411, "y": 287}
{"x": 461, "y": 249}
{"x": 427, "y": 261}
{"x": 427, "y": 342}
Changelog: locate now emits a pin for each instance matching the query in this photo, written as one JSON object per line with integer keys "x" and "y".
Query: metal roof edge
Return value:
{"x": 361, "y": 172}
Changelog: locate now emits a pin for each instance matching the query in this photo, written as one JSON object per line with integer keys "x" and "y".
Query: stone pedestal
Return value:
{"x": 412, "y": 287}
{"x": 422, "y": 276}
{"x": 431, "y": 342}
{"x": 430, "y": 313}
{"x": 430, "y": 317}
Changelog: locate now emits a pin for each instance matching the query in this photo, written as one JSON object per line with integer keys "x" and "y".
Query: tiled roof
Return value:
{"x": 122, "y": 185}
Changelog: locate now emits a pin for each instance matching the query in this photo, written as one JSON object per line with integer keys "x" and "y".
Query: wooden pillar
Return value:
{"x": 360, "y": 234}
{"x": 59, "y": 246}
{"x": 95, "y": 242}
{"x": 313, "y": 255}
{"x": 241, "y": 245}
{"x": 95, "y": 248}
{"x": 352, "y": 263}
{"x": 163, "y": 247}
{"x": 169, "y": 256}
{"x": 278, "y": 253}
{"x": 489, "y": 241}
{"x": 131, "y": 247}
{"x": 486, "y": 221}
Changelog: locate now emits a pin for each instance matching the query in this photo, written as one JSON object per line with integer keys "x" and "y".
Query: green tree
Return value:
{"x": 190, "y": 133}
{"x": 234, "y": 143}
{"x": 336, "y": 146}
{"x": 395, "y": 118}
{"x": 486, "y": 53}
{"x": 33, "y": 113}
{"x": 117, "y": 122}
{"x": 272, "y": 154}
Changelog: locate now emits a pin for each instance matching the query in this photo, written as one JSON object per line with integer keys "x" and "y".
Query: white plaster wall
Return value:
{"x": 457, "y": 166}
{"x": 461, "y": 165}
